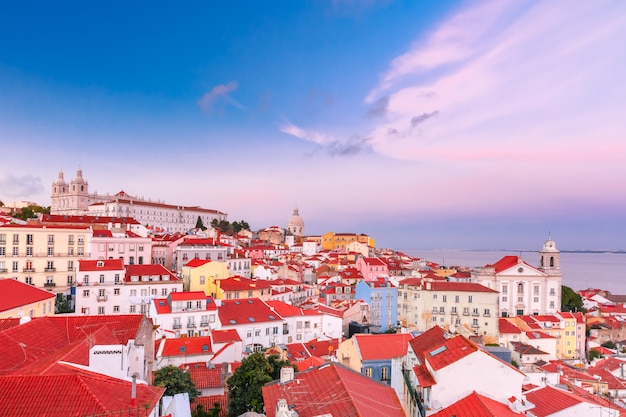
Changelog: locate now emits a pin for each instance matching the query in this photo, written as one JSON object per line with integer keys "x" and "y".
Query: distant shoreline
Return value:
{"x": 616, "y": 251}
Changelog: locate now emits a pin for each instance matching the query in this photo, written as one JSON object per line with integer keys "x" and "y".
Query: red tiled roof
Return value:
{"x": 424, "y": 377}
{"x": 460, "y": 286}
{"x": 505, "y": 326}
{"x": 451, "y": 351}
{"x": 148, "y": 269}
{"x": 435, "y": 336}
{"x": 509, "y": 261}
{"x": 208, "y": 402}
{"x": 333, "y": 389}
{"x": 549, "y": 400}
{"x": 250, "y": 310}
{"x": 187, "y": 295}
{"x": 14, "y": 294}
{"x": 194, "y": 263}
{"x": 82, "y": 393}
{"x": 477, "y": 405}
{"x": 85, "y": 265}
{"x": 182, "y": 346}
{"x": 382, "y": 346}
{"x": 47, "y": 337}
{"x": 310, "y": 362}
{"x": 204, "y": 374}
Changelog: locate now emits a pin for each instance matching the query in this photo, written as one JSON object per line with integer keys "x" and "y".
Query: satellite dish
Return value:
{"x": 452, "y": 328}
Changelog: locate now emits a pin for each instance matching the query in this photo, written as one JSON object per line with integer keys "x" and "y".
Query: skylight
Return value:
{"x": 271, "y": 317}
{"x": 233, "y": 321}
{"x": 251, "y": 319}
{"x": 438, "y": 350}
{"x": 205, "y": 348}
{"x": 183, "y": 348}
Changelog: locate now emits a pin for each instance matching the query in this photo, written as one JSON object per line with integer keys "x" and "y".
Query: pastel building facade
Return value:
{"x": 18, "y": 300}
{"x": 108, "y": 287}
{"x": 382, "y": 297}
{"x": 43, "y": 256}
{"x": 525, "y": 289}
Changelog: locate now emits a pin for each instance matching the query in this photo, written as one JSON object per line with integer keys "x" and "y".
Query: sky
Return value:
{"x": 448, "y": 124}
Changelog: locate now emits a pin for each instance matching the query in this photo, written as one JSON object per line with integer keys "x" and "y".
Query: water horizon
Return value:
{"x": 581, "y": 269}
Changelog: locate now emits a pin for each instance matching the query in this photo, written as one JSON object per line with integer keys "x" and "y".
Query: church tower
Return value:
{"x": 72, "y": 198}
{"x": 550, "y": 258}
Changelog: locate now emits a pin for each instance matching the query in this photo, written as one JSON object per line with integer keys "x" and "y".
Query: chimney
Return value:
{"x": 286, "y": 374}
{"x": 133, "y": 392}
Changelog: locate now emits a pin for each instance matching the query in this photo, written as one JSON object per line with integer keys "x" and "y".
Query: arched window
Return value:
{"x": 520, "y": 288}
{"x": 551, "y": 261}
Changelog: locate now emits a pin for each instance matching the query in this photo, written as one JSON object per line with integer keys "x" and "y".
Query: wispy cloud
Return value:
{"x": 25, "y": 186}
{"x": 523, "y": 81}
{"x": 219, "y": 93}
{"x": 378, "y": 109}
{"x": 328, "y": 144}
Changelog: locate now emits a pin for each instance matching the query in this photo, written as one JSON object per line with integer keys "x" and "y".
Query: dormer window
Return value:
{"x": 100, "y": 264}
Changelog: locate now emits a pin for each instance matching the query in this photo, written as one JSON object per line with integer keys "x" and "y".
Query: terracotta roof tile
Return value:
{"x": 382, "y": 346}
{"x": 477, "y": 405}
{"x": 336, "y": 390}
{"x": 14, "y": 294}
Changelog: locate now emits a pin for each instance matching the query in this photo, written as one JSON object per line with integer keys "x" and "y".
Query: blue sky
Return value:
{"x": 483, "y": 124}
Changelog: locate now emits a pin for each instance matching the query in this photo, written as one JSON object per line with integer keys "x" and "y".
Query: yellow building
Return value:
{"x": 43, "y": 256}
{"x": 334, "y": 241}
{"x": 22, "y": 300}
{"x": 562, "y": 326}
{"x": 201, "y": 275}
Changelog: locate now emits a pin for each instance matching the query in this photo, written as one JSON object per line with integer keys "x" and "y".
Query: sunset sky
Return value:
{"x": 447, "y": 124}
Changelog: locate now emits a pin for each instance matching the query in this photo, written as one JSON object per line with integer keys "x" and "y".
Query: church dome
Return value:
{"x": 295, "y": 224}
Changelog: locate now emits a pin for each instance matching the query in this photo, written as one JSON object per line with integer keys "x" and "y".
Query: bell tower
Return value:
{"x": 550, "y": 257}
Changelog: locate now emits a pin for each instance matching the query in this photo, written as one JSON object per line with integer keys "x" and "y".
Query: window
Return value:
{"x": 466, "y": 311}
{"x": 116, "y": 291}
{"x": 133, "y": 293}
{"x": 111, "y": 247}
{"x": 85, "y": 293}
{"x": 454, "y": 311}
{"x": 81, "y": 251}
{"x": 133, "y": 308}
{"x": 101, "y": 279}
{"x": 3, "y": 251}
{"x": 70, "y": 265}
{"x": 3, "y": 238}
{"x": 202, "y": 279}
{"x": 15, "y": 251}
{"x": 520, "y": 288}
{"x": 28, "y": 280}
{"x": 164, "y": 292}
{"x": 70, "y": 240}
{"x": 29, "y": 251}
{"x": 551, "y": 304}
{"x": 486, "y": 312}
{"x": 101, "y": 310}
{"x": 444, "y": 298}
{"x": 469, "y": 298}
{"x": 14, "y": 266}
{"x": 49, "y": 266}
{"x": 120, "y": 248}
{"x": 384, "y": 373}
{"x": 552, "y": 292}
{"x": 475, "y": 323}
{"x": 434, "y": 296}
{"x": 116, "y": 309}
{"x": 70, "y": 280}
{"x": 368, "y": 372}
{"x": 16, "y": 238}
{"x": 535, "y": 289}
{"x": 505, "y": 289}
{"x": 50, "y": 239}
{"x": 50, "y": 251}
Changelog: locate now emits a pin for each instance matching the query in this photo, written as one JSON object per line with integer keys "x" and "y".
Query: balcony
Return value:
{"x": 50, "y": 270}
{"x": 466, "y": 313}
{"x": 204, "y": 324}
{"x": 475, "y": 314}
{"x": 28, "y": 270}
{"x": 102, "y": 298}
{"x": 454, "y": 313}
{"x": 177, "y": 326}
{"x": 49, "y": 284}
{"x": 475, "y": 326}
{"x": 487, "y": 315}
{"x": 191, "y": 325}
{"x": 3, "y": 270}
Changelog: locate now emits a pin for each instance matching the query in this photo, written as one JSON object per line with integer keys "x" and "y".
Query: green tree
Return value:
{"x": 215, "y": 223}
{"x": 593, "y": 353}
{"x": 200, "y": 224}
{"x": 609, "y": 345}
{"x": 175, "y": 381}
{"x": 62, "y": 304}
{"x": 244, "y": 386}
{"x": 571, "y": 300}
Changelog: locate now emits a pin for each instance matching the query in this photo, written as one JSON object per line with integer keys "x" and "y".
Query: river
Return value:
{"x": 580, "y": 270}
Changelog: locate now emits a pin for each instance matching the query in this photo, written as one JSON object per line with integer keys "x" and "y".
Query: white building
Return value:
{"x": 107, "y": 287}
{"x": 73, "y": 198}
{"x": 525, "y": 289}
{"x": 302, "y": 325}
{"x": 189, "y": 313}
